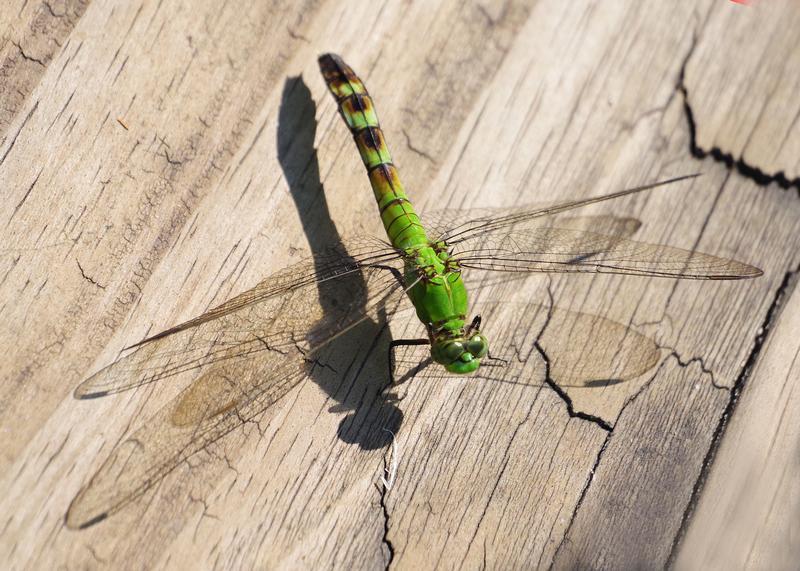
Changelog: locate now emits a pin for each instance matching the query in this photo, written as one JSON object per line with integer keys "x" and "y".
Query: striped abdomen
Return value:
{"x": 355, "y": 106}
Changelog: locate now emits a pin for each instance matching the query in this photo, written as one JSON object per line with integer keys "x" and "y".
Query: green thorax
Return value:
{"x": 438, "y": 293}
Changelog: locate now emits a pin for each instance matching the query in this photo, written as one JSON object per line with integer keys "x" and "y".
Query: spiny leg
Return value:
{"x": 475, "y": 325}
{"x": 400, "y": 343}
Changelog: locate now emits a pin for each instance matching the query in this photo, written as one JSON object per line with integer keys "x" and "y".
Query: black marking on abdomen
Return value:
{"x": 372, "y": 140}
{"x": 398, "y": 200}
{"x": 405, "y": 215}
{"x": 382, "y": 166}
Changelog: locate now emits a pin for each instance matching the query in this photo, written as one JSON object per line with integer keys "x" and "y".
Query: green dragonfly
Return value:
{"x": 238, "y": 359}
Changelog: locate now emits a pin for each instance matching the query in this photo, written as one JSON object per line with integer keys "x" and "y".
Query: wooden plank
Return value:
{"x": 742, "y": 87}
{"x": 746, "y": 516}
{"x": 165, "y": 160}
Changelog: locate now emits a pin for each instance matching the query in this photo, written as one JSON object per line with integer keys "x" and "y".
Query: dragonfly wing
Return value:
{"x": 561, "y": 250}
{"x": 524, "y": 216}
{"x": 210, "y": 408}
{"x": 234, "y": 322}
{"x": 236, "y": 365}
{"x": 440, "y": 222}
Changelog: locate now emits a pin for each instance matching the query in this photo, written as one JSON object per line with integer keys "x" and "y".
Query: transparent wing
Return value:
{"x": 560, "y": 250}
{"x": 524, "y": 216}
{"x": 439, "y": 222}
{"x": 237, "y": 362}
{"x": 346, "y": 258}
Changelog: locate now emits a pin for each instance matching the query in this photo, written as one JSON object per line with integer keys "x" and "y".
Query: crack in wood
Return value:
{"x": 385, "y": 538}
{"x": 27, "y": 56}
{"x": 752, "y": 172}
{"x": 603, "y": 448}
{"x": 21, "y": 127}
{"x": 602, "y": 423}
{"x": 788, "y": 284}
{"x": 684, "y": 363}
{"x": 88, "y": 278}
{"x": 565, "y": 397}
{"x": 417, "y": 151}
{"x": 582, "y": 496}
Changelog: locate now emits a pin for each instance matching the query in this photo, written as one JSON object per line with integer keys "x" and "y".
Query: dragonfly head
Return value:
{"x": 461, "y": 353}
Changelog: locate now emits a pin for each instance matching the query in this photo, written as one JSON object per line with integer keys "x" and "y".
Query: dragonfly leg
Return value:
{"x": 475, "y": 325}
{"x": 399, "y": 343}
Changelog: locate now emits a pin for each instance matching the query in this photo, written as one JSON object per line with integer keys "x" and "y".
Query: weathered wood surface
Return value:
{"x": 747, "y": 516}
{"x": 157, "y": 159}
{"x": 742, "y": 86}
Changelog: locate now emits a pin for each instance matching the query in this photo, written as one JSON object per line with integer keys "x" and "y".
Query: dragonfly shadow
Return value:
{"x": 356, "y": 380}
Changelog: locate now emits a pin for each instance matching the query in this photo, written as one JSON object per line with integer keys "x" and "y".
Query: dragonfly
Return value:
{"x": 237, "y": 359}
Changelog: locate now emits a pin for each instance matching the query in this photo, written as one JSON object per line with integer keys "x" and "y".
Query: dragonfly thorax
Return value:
{"x": 440, "y": 298}
{"x": 436, "y": 288}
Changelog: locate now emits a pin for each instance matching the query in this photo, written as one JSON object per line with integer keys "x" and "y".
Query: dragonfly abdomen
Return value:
{"x": 356, "y": 108}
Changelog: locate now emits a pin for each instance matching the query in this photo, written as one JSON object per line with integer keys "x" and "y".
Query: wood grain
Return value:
{"x": 161, "y": 157}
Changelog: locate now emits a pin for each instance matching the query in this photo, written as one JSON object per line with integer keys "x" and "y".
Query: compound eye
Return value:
{"x": 453, "y": 350}
{"x": 478, "y": 345}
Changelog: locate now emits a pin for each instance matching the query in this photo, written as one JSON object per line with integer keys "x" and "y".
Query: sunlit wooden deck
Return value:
{"x": 159, "y": 157}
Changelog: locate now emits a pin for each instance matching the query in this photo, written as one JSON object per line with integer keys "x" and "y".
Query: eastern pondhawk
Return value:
{"x": 242, "y": 356}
